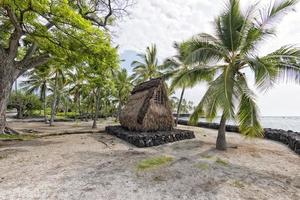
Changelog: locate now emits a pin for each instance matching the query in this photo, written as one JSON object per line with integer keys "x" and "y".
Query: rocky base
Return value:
{"x": 290, "y": 138}
{"x": 149, "y": 139}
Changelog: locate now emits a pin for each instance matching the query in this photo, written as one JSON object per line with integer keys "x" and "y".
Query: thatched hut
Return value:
{"x": 148, "y": 108}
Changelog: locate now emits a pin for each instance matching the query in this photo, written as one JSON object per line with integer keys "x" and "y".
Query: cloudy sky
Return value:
{"x": 164, "y": 21}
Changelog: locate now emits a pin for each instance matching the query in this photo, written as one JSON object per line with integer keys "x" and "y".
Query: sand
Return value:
{"x": 100, "y": 166}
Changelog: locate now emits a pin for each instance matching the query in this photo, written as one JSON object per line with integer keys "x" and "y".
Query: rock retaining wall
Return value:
{"x": 290, "y": 138}
{"x": 149, "y": 139}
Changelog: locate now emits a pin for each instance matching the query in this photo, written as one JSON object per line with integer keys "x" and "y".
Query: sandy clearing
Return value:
{"x": 83, "y": 167}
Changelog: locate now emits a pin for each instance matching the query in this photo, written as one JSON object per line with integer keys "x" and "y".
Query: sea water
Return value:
{"x": 285, "y": 123}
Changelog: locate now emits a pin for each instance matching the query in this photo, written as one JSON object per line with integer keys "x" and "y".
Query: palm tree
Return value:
{"x": 57, "y": 84}
{"x": 174, "y": 66}
{"x": 123, "y": 85}
{"x": 76, "y": 80}
{"x": 147, "y": 66}
{"x": 231, "y": 51}
{"x": 38, "y": 81}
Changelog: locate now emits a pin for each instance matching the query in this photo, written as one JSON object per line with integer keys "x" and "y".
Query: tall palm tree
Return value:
{"x": 38, "y": 81}
{"x": 57, "y": 84}
{"x": 123, "y": 84}
{"x": 174, "y": 66}
{"x": 234, "y": 49}
{"x": 147, "y": 66}
{"x": 76, "y": 80}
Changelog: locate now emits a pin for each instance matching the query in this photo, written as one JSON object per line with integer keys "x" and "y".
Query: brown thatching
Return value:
{"x": 148, "y": 108}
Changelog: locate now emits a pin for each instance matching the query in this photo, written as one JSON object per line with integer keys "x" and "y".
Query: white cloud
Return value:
{"x": 165, "y": 21}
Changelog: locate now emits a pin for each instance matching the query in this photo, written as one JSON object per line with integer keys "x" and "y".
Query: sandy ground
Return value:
{"x": 100, "y": 166}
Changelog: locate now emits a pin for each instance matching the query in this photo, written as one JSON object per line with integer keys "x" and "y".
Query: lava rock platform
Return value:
{"x": 149, "y": 139}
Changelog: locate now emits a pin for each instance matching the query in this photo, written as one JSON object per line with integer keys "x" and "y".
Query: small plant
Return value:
{"x": 221, "y": 162}
{"x": 202, "y": 166}
{"x": 154, "y": 162}
{"x": 238, "y": 184}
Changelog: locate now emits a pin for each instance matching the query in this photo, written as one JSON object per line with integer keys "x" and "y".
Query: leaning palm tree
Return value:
{"x": 234, "y": 49}
{"x": 175, "y": 65}
{"x": 38, "y": 81}
{"x": 147, "y": 66}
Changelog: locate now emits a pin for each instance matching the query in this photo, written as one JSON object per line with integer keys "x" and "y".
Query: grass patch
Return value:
{"x": 222, "y": 162}
{"x": 2, "y": 157}
{"x": 154, "y": 162}
{"x": 202, "y": 166}
{"x": 206, "y": 156}
{"x": 238, "y": 184}
{"x": 16, "y": 137}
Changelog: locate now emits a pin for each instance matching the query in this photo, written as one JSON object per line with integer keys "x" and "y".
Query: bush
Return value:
{"x": 24, "y": 103}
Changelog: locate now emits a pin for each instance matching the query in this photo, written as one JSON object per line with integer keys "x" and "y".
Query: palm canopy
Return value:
{"x": 147, "y": 66}
{"x": 37, "y": 81}
{"x": 234, "y": 48}
{"x": 184, "y": 74}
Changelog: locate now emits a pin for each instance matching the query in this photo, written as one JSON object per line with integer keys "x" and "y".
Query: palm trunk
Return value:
{"x": 53, "y": 106}
{"x": 45, "y": 108}
{"x": 96, "y": 109}
{"x": 221, "y": 139}
{"x": 66, "y": 109}
{"x": 179, "y": 106}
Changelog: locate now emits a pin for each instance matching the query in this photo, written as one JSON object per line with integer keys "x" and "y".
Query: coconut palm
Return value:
{"x": 174, "y": 66}
{"x": 123, "y": 84}
{"x": 38, "y": 81}
{"x": 234, "y": 49}
{"x": 76, "y": 81}
{"x": 147, "y": 66}
{"x": 57, "y": 83}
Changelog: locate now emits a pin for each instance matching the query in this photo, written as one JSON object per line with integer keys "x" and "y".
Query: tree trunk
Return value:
{"x": 179, "y": 106}
{"x": 221, "y": 139}
{"x": 119, "y": 111}
{"x": 20, "y": 111}
{"x": 53, "y": 106}
{"x": 96, "y": 109}
{"x": 8, "y": 74}
{"x": 45, "y": 108}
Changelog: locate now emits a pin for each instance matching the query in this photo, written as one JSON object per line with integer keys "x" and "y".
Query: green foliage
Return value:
{"x": 186, "y": 106}
{"x": 154, "y": 162}
{"x": 24, "y": 103}
{"x": 146, "y": 67}
{"x": 229, "y": 53}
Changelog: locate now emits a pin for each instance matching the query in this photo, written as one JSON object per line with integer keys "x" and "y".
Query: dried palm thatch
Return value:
{"x": 148, "y": 108}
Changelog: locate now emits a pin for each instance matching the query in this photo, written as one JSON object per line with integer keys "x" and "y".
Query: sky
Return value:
{"x": 164, "y": 21}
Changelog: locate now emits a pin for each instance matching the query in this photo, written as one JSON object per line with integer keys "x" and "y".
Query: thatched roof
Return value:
{"x": 147, "y": 85}
{"x": 148, "y": 108}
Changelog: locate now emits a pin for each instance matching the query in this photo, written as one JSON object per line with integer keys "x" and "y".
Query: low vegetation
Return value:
{"x": 16, "y": 137}
{"x": 222, "y": 162}
{"x": 154, "y": 162}
{"x": 203, "y": 166}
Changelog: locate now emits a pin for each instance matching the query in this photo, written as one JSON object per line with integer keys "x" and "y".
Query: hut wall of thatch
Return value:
{"x": 148, "y": 108}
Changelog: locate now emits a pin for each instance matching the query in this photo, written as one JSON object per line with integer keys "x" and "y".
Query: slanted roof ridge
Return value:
{"x": 155, "y": 82}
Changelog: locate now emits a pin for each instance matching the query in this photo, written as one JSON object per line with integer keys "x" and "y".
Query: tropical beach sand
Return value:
{"x": 100, "y": 166}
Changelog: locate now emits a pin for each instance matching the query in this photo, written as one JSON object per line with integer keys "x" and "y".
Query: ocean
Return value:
{"x": 285, "y": 123}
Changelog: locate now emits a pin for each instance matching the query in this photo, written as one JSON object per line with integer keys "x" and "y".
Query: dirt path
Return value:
{"x": 99, "y": 166}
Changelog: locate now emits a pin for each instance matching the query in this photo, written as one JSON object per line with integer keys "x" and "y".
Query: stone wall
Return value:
{"x": 290, "y": 138}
